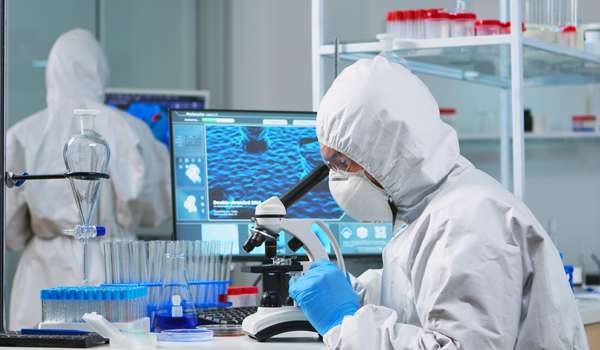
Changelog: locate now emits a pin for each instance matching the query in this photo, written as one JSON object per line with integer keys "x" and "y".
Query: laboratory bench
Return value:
{"x": 590, "y": 315}
{"x": 303, "y": 341}
{"x": 588, "y": 309}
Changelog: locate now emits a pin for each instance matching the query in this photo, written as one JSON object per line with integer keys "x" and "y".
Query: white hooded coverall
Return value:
{"x": 137, "y": 193}
{"x": 474, "y": 269}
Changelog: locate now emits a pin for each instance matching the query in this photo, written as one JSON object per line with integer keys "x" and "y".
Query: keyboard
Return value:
{"x": 230, "y": 315}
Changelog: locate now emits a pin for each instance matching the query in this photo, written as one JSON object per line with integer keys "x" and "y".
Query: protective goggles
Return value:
{"x": 338, "y": 162}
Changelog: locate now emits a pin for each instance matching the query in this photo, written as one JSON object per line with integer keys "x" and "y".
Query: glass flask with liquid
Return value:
{"x": 86, "y": 151}
{"x": 175, "y": 305}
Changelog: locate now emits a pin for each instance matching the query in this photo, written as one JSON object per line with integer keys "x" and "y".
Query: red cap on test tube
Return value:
{"x": 399, "y": 15}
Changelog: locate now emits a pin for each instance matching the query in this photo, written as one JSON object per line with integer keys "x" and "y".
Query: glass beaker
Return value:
{"x": 175, "y": 306}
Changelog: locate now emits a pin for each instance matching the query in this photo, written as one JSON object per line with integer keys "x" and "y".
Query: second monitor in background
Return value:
{"x": 152, "y": 106}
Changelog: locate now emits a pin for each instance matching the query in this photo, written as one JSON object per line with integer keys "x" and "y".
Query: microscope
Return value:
{"x": 274, "y": 316}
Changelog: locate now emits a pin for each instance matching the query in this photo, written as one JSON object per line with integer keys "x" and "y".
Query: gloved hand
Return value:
{"x": 325, "y": 295}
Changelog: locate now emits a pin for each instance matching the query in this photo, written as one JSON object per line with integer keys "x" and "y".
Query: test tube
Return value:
{"x": 143, "y": 251}
{"x": 116, "y": 263}
{"x": 135, "y": 272}
{"x": 139, "y": 259}
{"x": 108, "y": 262}
{"x": 125, "y": 267}
{"x": 227, "y": 252}
{"x": 409, "y": 16}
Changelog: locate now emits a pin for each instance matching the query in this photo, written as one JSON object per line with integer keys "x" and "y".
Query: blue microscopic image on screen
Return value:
{"x": 247, "y": 165}
{"x": 189, "y": 172}
{"x": 154, "y": 116}
{"x": 191, "y": 204}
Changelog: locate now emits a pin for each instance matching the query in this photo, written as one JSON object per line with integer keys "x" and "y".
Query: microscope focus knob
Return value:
{"x": 295, "y": 244}
{"x": 270, "y": 299}
{"x": 289, "y": 301}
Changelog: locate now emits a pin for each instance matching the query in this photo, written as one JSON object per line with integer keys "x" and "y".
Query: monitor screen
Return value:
{"x": 224, "y": 163}
{"x": 152, "y": 106}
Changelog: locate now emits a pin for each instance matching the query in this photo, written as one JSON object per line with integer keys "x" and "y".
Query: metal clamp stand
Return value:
{"x": 13, "y": 180}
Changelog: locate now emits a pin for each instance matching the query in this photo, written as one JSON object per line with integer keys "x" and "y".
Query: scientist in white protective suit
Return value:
{"x": 137, "y": 193}
{"x": 473, "y": 269}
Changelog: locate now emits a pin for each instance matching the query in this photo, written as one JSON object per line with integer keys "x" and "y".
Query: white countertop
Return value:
{"x": 589, "y": 311}
{"x": 303, "y": 341}
{"x": 589, "y": 308}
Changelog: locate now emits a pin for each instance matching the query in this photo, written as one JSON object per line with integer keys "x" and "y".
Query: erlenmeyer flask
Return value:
{"x": 86, "y": 151}
{"x": 387, "y": 41}
{"x": 175, "y": 305}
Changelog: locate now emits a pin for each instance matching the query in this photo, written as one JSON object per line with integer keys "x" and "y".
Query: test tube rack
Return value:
{"x": 125, "y": 306}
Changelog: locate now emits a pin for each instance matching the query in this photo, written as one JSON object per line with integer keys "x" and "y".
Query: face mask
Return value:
{"x": 359, "y": 197}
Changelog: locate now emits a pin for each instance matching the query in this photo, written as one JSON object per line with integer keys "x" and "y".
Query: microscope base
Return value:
{"x": 271, "y": 321}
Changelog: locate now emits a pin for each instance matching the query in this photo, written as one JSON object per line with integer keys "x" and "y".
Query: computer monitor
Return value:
{"x": 152, "y": 106}
{"x": 225, "y": 162}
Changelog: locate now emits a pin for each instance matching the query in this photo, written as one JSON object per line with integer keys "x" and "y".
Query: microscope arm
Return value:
{"x": 301, "y": 229}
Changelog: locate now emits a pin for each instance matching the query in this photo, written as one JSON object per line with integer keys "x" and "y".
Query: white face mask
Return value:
{"x": 359, "y": 197}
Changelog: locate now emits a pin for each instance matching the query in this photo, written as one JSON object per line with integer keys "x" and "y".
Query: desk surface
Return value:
{"x": 306, "y": 341}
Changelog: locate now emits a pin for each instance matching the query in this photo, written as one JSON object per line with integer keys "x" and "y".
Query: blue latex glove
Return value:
{"x": 325, "y": 295}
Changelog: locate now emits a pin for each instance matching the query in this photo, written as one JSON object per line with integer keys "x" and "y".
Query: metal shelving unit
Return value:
{"x": 533, "y": 136}
{"x": 509, "y": 62}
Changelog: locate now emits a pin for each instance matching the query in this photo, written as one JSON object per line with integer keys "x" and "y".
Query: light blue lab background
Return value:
{"x": 222, "y": 232}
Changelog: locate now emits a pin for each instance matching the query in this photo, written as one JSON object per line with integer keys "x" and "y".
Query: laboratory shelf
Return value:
{"x": 532, "y": 136}
{"x": 478, "y": 59}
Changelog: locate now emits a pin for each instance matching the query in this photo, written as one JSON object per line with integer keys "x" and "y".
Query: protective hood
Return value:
{"x": 77, "y": 66}
{"x": 386, "y": 120}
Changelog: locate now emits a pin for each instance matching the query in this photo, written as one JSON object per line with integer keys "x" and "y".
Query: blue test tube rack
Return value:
{"x": 125, "y": 303}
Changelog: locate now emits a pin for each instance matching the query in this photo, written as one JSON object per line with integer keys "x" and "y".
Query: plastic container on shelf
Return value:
{"x": 592, "y": 42}
{"x": 567, "y": 36}
{"x": 398, "y": 19}
{"x": 437, "y": 25}
{"x": 409, "y": 24}
{"x": 420, "y": 24}
{"x": 388, "y": 21}
{"x": 585, "y": 123}
{"x": 242, "y": 296}
{"x": 505, "y": 27}
{"x": 541, "y": 32}
{"x": 462, "y": 24}
{"x": 448, "y": 116}
{"x": 487, "y": 27}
